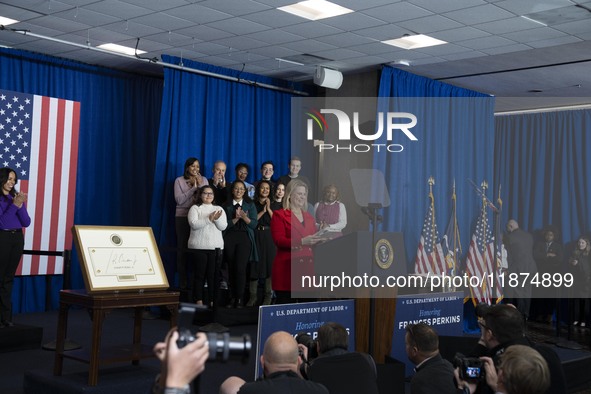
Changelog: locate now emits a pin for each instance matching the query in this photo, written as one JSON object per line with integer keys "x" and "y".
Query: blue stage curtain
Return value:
{"x": 542, "y": 160}
{"x": 459, "y": 149}
{"x": 118, "y": 134}
{"x": 214, "y": 119}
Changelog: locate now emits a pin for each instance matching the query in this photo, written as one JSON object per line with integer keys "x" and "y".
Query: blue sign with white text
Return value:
{"x": 304, "y": 317}
{"x": 442, "y": 311}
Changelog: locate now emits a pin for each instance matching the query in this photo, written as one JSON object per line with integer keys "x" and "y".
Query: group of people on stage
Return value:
{"x": 547, "y": 256}
{"x": 236, "y": 235}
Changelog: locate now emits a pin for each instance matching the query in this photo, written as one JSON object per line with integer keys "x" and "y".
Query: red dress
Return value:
{"x": 292, "y": 259}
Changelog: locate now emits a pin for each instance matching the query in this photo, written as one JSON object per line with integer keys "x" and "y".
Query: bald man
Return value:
{"x": 281, "y": 362}
{"x": 520, "y": 260}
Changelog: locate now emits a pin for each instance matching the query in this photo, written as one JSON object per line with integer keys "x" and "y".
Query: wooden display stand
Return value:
{"x": 99, "y": 305}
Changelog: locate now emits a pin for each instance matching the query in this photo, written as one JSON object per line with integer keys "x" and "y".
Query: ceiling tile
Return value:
{"x": 275, "y": 36}
{"x": 463, "y": 55}
{"x": 308, "y": 46}
{"x": 480, "y": 14}
{"x": 441, "y": 6}
{"x": 204, "y": 33}
{"x": 210, "y": 48}
{"x": 523, "y": 7}
{"x": 238, "y": 26}
{"x": 157, "y": 5}
{"x": 353, "y": 21}
{"x": 339, "y": 54}
{"x": 376, "y": 48}
{"x": 487, "y": 42}
{"x": 241, "y": 43}
{"x": 507, "y": 25}
{"x": 275, "y": 51}
{"x": 132, "y": 28}
{"x": 460, "y": 34}
{"x": 234, "y": 7}
{"x": 312, "y": 29}
{"x": 576, "y": 28}
{"x": 554, "y": 42}
{"x": 87, "y": 17}
{"x": 163, "y": 21}
{"x": 506, "y": 49}
{"x": 362, "y": 5}
{"x": 197, "y": 13}
{"x": 170, "y": 38}
{"x": 18, "y": 13}
{"x": 382, "y": 33}
{"x": 273, "y": 18}
{"x": 119, "y": 9}
{"x": 430, "y": 24}
{"x": 541, "y": 33}
{"x": 60, "y": 24}
{"x": 398, "y": 12}
{"x": 345, "y": 40}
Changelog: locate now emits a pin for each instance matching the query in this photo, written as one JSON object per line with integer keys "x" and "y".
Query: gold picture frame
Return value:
{"x": 118, "y": 258}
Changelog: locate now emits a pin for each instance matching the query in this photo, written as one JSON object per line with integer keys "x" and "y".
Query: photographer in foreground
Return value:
{"x": 335, "y": 367}
{"x": 180, "y": 366}
{"x": 521, "y": 370}
{"x": 281, "y": 362}
{"x": 502, "y": 327}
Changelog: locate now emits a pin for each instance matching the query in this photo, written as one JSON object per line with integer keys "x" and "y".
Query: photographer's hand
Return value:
{"x": 468, "y": 387}
{"x": 181, "y": 366}
{"x": 490, "y": 372}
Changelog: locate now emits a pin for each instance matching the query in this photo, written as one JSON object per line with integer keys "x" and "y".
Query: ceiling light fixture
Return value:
{"x": 121, "y": 49}
{"x": 289, "y": 61}
{"x": 414, "y": 41}
{"x": 4, "y": 21}
{"x": 315, "y": 9}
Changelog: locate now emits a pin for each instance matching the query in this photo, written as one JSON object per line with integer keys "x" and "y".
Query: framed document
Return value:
{"x": 119, "y": 258}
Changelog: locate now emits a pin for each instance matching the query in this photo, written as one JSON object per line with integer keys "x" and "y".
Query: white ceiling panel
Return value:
{"x": 460, "y": 34}
{"x": 197, "y": 13}
{"x": 507, "y": 25}
{"x": 430, "y": 24}
{"x": 118, "y": 9}
{"x": 274, "y": 37}
{"x": 238, "y": 26}
{"x": 312, "y": 29}
{"x": 480, "y": 14}
{"x": 442, "y": 6}
{"x": 236, "y": 8}
{"x": 163, "y": 21}
{"x": 398, "y": 12}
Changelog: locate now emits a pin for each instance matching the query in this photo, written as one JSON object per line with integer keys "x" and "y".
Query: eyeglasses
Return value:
{"x": 482, "y": 325}
{"x": 207, "y": 194}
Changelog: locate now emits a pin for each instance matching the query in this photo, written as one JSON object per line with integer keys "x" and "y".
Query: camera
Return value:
{"x": 471, "y": 368}
{"x": 221, "y": 346}
{"x": 305, "y": 339}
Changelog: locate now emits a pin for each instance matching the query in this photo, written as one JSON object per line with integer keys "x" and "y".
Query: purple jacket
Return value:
{"x": 11, "y": 216}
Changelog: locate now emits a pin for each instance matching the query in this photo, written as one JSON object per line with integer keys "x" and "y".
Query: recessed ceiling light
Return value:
{"x": 4, "y": 21}
{"x": 315, "y": 9}
{"x": 414, "y": 42}
{"x": 121, "y": 49}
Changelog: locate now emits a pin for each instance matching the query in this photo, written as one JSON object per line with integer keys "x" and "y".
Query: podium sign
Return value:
{"x": 443, "y": 311}
{"x": 350, "y": 266}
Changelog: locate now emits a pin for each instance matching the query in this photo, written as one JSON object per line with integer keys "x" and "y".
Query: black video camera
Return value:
{"x": 305, "y": 339}
{"x": 471, "y": 368}
{"x": 221, "y": 346}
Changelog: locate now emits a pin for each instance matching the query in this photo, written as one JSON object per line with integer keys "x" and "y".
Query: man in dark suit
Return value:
{"x": 281, "y": 362}
{"x": 549, "y": 255}
{"x": 433, "y": 374}
{"x": 520, "y": 260}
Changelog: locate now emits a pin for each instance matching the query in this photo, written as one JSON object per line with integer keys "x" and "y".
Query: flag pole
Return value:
{"x": 431, "y": 182}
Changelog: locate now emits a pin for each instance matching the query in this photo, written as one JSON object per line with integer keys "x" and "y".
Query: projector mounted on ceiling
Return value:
{"x": 328, "y": 78}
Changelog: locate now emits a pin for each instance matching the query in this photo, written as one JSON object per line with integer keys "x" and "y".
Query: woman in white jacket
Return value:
{"x": 207, "y": 221}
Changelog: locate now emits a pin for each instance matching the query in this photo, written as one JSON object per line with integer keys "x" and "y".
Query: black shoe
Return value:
{"x": 239, "y": 304}
{"x": 231, "y": 303}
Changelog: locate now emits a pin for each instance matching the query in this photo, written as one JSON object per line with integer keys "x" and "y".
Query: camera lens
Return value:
{"x": 223, "y": 346}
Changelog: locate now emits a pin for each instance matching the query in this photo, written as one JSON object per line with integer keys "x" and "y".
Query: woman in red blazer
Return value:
{"x": 292, "y": 229}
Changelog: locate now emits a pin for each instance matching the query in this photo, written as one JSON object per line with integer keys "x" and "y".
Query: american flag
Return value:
{"x": 480, "y": 258}
{"x": 39, "y": 140}
{"x": 430, "y": 257}
{"x": 450, "y": 243}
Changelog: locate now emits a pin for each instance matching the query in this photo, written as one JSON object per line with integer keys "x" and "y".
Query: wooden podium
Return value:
{"x": 99, "y": 305}
{"x": 379, "y": 255}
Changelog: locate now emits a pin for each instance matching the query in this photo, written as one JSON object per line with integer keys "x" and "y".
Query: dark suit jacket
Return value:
{"x": 520, "y": 245}
{"x": 283, "y": 382}
{"x": 435, "y": 375}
